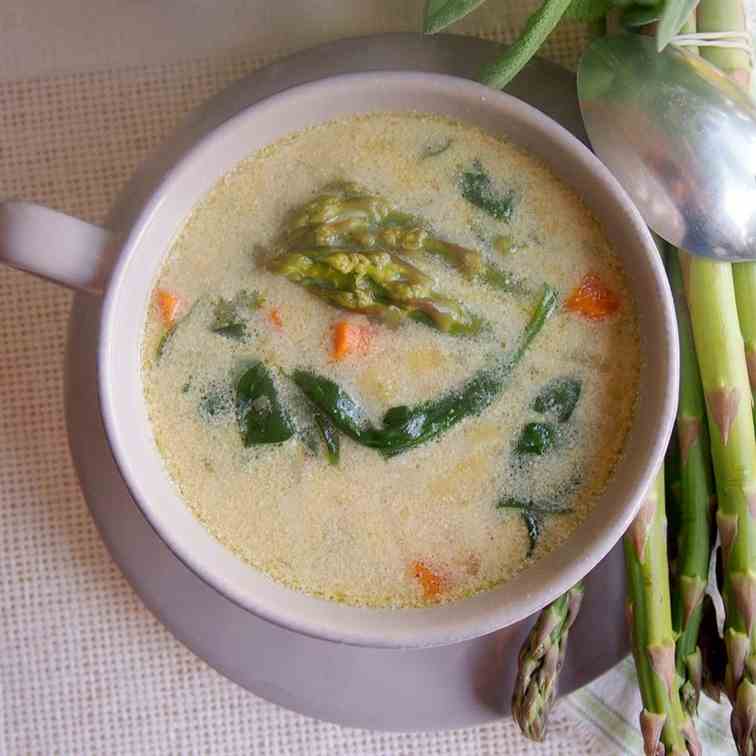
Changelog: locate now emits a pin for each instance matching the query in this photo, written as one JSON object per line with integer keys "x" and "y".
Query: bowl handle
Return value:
{"x": 55, "y": 246}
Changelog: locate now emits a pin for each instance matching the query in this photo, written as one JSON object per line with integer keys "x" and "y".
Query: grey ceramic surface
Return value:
{"x": 452, "y": 686}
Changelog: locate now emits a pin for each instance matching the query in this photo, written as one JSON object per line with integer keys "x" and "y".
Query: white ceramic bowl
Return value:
{"x": 125, "y": 268}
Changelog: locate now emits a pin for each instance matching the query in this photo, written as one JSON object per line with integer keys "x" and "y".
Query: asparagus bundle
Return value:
{"x": 666, "y": 726}
{"x": 693, "y": 503}
{"x": 540, "y": 661}
{"x": 711, "y": 297}
{"x": 343, "y": 247}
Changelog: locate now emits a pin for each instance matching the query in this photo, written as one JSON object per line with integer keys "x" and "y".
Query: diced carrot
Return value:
{"x": 168, "y": 305}
{"x": 343, "y": 336}
{"x": 275, "y": 317}
{"x": 592, "y": 299}
{"x": 430, "y": 582}
{"x": 350, "y": 337}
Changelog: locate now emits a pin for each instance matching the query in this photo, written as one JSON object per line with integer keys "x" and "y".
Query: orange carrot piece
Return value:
{"x": 275, "y": 317}
{"x": 168, "y": 305}
{"x": 343, "y": 337}
{"x": 592, "y": 299}
{"x": 430, "y": 582}
{"x": 348, "y": 338}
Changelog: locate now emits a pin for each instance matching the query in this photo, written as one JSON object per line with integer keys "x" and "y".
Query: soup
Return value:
{"x": 391, "y": 360}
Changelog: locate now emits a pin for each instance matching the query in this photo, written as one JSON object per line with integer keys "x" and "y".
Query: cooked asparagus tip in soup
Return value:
{"x": 395, "y": 376}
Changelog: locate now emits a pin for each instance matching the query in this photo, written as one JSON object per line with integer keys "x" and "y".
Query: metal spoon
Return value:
{"x": 681, "y": 139}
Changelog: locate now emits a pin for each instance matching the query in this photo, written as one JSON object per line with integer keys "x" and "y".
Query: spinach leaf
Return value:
{"x": 536, "y": 438}
{"x": 477, "y": 188}
{"x": 407, "y": 427}
{"x": 336, "y": 404}
{"x": 533, "y": 514}
{"x": 261, "y": 416}
{"x": 559, "y": 397}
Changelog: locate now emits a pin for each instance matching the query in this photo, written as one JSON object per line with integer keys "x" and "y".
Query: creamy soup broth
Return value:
{"x": 422, "y": 526}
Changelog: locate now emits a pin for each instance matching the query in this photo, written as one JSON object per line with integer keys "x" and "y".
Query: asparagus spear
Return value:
{"x": 730, "y": 16}
{"x": 347, "y": 217}
{"x": 744, "y": 275}
{"x": 540, "y": 661}
{"x": 696, "y": 496}
{"x": 375, "y": 283}
{"x": 665, "y": 725}
{"x": 724, "y": 374}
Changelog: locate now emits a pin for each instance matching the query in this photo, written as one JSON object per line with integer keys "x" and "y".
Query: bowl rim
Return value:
{"x": 412, "y": 627}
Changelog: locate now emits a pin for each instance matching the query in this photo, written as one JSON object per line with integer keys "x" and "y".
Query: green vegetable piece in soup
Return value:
{"x": 262, "y": 418}
{"x": 536, "y": 438}
{"x": 330, "y": 435}
{"x": 408, "y": 427}
{"x": 328, "y": 397}
{"x": 533, "y": 519}
{"x": 559, "y": 397}
{"x": 533, "y": 523}
{"x": 533, "y": 515}
{"x": 226, "y": 320}
{"x": 477, "y": 188}
{"x": 164, "y": 341}
{"x": 252, "y": 300}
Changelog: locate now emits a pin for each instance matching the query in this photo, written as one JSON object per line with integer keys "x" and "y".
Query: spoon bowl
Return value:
{"x": 681, "y": 139}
